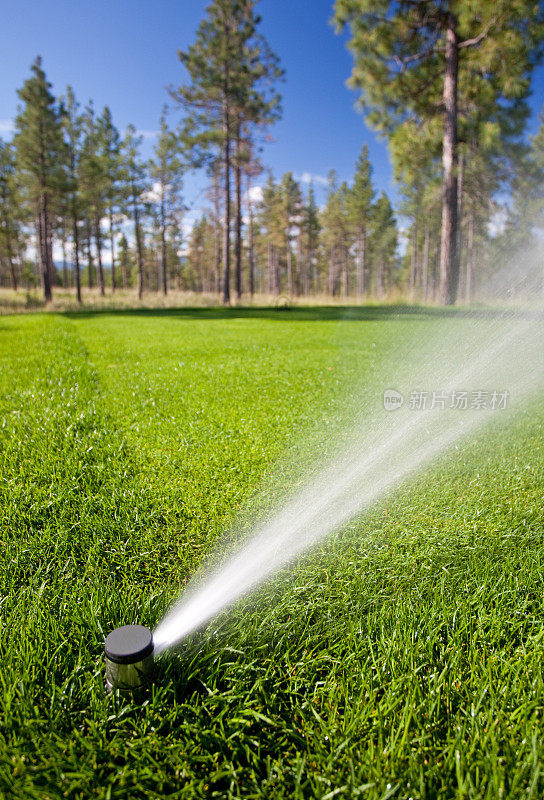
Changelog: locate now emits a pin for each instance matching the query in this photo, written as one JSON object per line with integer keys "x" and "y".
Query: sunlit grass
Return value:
{"x": 403, "y": 658}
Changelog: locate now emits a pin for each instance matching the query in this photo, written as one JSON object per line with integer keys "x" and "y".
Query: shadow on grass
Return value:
{"x": 304, "y": 314}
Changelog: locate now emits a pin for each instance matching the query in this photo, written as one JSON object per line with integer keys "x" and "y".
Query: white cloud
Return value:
{"x": 308, "y": 177}
{"x": 7, "y": 126}
{"x": 255, "y": 194}
{"x": 153, "y": 195}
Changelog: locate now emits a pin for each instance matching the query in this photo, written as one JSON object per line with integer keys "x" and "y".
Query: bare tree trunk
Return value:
{"x": 50, "y": 262}
{"x": 112, "y": 246}
{"x": 124, "y": 276}
{"x": 251, "y": 244}
{"x": 64, "y": 267}
{"x": 226, "y": 231}
{"x": 139, "y": 248}
{"x": 449, "y": 256}
{"x": 470, "y": 255}
{"x": 217, "y": 230}
{"x": 381, "y": 278}
{"x": 332, "y": 257}
{"x": 460, "y": 210}
{"x": 238, "y": 239}
{"x": 98, "y": 240}
{"x": 345, "y": 276}
{"x": 413, "y": 259}
{"x": 300, "y": 265}
{"x": 44, "y": 249}
{"x": 307, "y": 270}
{"x": 277, "y": 280}
{"x": 361, "y": 262}
{"x": 227, "y": 158}
{"x": 11, "y": 262}
{"x": 425, "y": 270}
{"x": 269, "y": 267}
{"x": 76, "y": 256}
{"x": 89, "y": 254}
{"x": 163, "y": 281}
{"x": 289, "y": 268}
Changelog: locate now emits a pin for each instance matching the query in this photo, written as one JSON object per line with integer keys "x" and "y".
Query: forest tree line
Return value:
{"x": 446, "y": 83}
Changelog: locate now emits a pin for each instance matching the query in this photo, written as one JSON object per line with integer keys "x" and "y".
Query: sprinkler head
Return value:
{"x": 129, "y": 657}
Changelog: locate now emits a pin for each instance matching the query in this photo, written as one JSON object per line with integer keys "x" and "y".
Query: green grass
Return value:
{"x": 402, "y": 659}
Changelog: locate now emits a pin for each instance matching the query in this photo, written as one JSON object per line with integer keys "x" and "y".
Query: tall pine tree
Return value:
{"x": 40, "y": 160}
{"x": 166, "y": 173}
{"x": 230, "y": 72}
{"x": 408, "y": 59}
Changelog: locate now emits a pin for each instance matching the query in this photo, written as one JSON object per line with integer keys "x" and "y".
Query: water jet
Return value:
{"x": 129, "y": 657}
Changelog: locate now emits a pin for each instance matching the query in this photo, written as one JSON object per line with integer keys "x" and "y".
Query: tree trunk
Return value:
{"x": 139, "y": 248}
{"x": 381, "y": 278}
{"x": 44, "y": 249}
{"x": 425, "y": 270}
{"x": 50, "y": 262}
{"x": 345, "y": 276}
{"x": 12, "y": 273}
{"x": 64, "y": 268}
{"x": 98, "y": 240}
{"x": 470, "y": 255}
{"x": 250, "y": 241}
{"x": 238, "y": 240}
{"x": 89, "y": 254}
{"x": 226, "y": 159}
{"x": 269, "y": 267}
{"x": 413, "y": 259}
{"x": 124, "y": 276}
{"x": 332, "y": 276}
{"x": 112, "y": 245}
{"x": 300, "y": 265}
{"x": 277, "y": 281}
{"x": 76, "y": 255}
{"x": 289, "y": 269}
{"x": 307, "y": 268}
{"x": 162, "y": 264}
{"x": 217, "y": 231}
{"x": 449, "y": 256}
{"x": 361, "y": 261}
{"x": 460, "y": 190}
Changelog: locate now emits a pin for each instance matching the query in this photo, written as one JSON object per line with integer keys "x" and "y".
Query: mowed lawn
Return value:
{"x": 402, "y": 659}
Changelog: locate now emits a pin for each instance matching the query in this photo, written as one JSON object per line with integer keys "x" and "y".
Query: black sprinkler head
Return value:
{"x": 129, "y": 657}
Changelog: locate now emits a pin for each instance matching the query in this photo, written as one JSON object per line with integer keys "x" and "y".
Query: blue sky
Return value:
{"x": 124, "y": 53}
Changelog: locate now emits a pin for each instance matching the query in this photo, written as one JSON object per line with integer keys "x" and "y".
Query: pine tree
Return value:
{"x": 383, "y": 243}
{"x": 291, "y": 212}
{"x": 109, "y": 143}
{"x": 125, "y": 262}
{"x": 40, "y": 160}
{"x": 93, "y": 185}
{"x": 359, "y": 204}
{"x": 272, "y": 239}
{"x": 252, "y": 169}
{"x": 335, "y": 235}
{"x": 10, "y": 213}
{"x": 408, "y": 60}
{"x": 256, "y": 105}
{"x": 311, "y": 230}
{"x": 135, "y": 185}
{"x": 73, "y": 128}
{"x": 166, "y": 172}
{"x": 230, "y": 71}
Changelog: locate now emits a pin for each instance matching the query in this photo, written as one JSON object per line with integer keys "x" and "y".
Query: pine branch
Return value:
{"x": 482, "y": 35}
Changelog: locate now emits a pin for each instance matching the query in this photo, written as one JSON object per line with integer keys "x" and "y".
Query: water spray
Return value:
{"x": 129, "y": 657}
{"x": 385, "y": 450}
